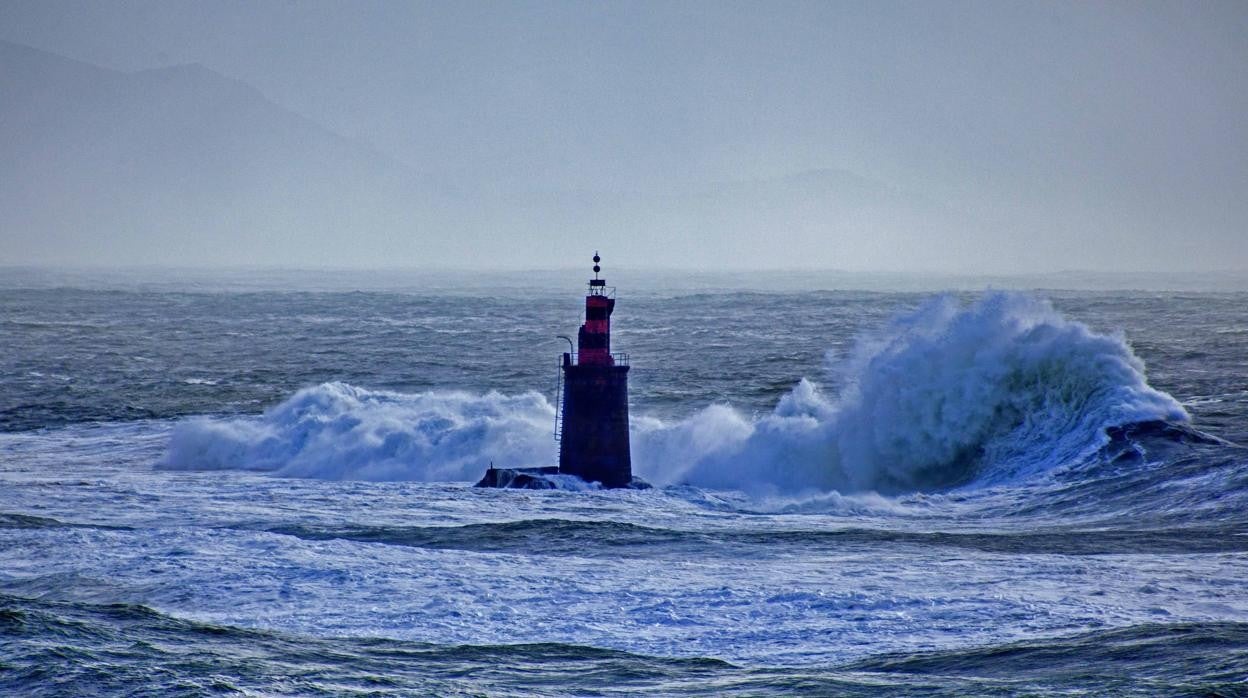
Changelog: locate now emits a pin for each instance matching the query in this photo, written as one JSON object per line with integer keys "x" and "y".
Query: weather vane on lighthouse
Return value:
{"x": 591, "y": 421}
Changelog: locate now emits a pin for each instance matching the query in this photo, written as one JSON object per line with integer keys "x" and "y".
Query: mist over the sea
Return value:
{"x": 965, "y": 137}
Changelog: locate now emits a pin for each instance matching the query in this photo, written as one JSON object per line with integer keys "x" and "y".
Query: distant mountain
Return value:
{"x": 180, "y": 164}
{"x": 183, "y": 166}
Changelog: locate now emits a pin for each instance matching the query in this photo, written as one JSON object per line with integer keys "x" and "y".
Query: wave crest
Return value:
{"x": 338, "y": 431}
{"x": 941, "y": 397}
{"x": 946, "y": 395}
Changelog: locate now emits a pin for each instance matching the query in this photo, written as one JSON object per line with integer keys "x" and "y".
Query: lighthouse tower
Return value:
{"x": 593, "y": 429}
{"x": 592, "y": 422}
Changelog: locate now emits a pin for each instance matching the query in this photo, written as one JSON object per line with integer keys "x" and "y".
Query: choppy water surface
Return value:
{"x": 266, "y": 492}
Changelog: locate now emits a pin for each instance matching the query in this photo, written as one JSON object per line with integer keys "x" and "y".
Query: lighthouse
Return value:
{"x": 593, "y": 417}
{"x": 591, "y": 422}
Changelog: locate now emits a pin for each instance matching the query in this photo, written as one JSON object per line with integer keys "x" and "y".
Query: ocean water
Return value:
{"x": 253, "y": 489}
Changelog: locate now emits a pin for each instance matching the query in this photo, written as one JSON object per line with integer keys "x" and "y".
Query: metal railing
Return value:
{"x": 620, "y": 358}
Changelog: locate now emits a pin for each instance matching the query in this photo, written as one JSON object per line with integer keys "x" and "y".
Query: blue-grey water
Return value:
{"x": 257, "y": 490}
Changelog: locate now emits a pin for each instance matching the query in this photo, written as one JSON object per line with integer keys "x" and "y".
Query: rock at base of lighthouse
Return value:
{"x": 519, "y": 478}
{"x": 547, "y": 478}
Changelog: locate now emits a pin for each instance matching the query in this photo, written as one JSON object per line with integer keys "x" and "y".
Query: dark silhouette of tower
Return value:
{"x": 593, "y": 431}
{"x": 592, "y": 422}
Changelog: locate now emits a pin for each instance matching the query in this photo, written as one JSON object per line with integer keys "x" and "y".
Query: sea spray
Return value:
{"x": 338, "y": 431}
{"x": 994, "y": 391}
{"x": 943, "y": 396}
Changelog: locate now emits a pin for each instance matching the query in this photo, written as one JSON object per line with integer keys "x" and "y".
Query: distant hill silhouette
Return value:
{"x": 182, "y": 165}
{"x": 178, "y": 163}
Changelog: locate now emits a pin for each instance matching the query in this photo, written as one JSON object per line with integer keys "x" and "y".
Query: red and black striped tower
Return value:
{"x": 593, "y": 442}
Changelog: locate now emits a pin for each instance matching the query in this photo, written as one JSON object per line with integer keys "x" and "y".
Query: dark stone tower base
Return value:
{"x": 595, "y": 444}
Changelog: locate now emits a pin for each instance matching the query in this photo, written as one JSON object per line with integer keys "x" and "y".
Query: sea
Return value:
{"x": 259, "y": 483}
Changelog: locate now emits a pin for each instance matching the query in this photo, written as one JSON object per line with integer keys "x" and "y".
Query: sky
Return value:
{"x": 1045, "y": 136}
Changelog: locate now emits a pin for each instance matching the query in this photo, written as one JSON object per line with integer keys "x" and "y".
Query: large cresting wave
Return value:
{"x": 944, "y": 396}
{"x": 338, "y": 431}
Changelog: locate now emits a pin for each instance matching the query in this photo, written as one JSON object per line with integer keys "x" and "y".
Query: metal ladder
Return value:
{"x": 559, "y": 403}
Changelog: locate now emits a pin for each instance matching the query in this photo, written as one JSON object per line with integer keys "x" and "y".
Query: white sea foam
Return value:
{"x": 944, "y": 396}
{"x": 337, "y": 431}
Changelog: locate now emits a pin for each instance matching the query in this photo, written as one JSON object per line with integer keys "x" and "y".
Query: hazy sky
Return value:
{"x": 1085, "y": 135}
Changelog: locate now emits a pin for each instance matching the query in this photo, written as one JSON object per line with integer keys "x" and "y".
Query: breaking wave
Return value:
{"x": 944, "y": 396}
{"x": 941, "y": 397}
{"x": 338, "y": 431}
